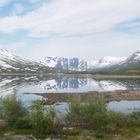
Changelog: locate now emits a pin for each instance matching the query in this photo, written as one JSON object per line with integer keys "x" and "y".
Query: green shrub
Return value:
{"x": 116, "y": 121}
{"x": 42, "y": 122}
{"x": 36, "y": 118}
{"x": 12, "y": 109}
{"x": 86, "y": 133}
{"x": 134, "y": 118}
{"x": 23, "y": 123}
{"x": 92, "y": 113}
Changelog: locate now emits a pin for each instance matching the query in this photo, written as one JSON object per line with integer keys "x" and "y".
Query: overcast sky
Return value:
{"x": 89, "y": 29}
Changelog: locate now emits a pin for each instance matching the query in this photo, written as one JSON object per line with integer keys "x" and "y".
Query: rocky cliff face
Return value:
{"x": 74, "y": 64}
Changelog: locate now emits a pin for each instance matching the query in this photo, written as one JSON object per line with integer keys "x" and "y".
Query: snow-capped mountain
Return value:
{"x": 62, "y": 63}
{"x": 49, "y": 61}
{"x": 116, "y": 63}
{"x": 106, "y": 62}
{"x": 12, "y": 63}
{"x": 132, "y": 61}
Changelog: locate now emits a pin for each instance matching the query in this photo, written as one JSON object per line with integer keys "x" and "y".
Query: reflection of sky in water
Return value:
{"x": 27, "y": 99}
{"x": 61, "y": 108}
{"x": 118, "y": 106}
{"x": 121, "y": 106}
{"x": 124, "y": 106}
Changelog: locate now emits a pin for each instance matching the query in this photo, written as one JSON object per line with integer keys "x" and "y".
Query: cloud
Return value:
{"x": 17, "y": 48}
{"x": 85, "y": 47}
{"x": 72, "y": 18}
{"x": 3, "y": 2}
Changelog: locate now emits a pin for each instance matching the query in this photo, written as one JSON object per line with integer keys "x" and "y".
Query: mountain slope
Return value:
{"x": 106, "y": 62}
{"x": 131, "y": 65}
{"x": 12, "y": 63}
{"x": 74, "y": 64}
{"x": 133, "y": 61}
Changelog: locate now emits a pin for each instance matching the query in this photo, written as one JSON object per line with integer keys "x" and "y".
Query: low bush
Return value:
{"x": 89, "y": 118}
{"x": 11, "y": 110}
{"x": 134, "y": 118}
{"x": 91, "y": 114}
{"x": 42, "y": 121}
{"x": 23, "y": 123}
{"x": 116, "y": 121}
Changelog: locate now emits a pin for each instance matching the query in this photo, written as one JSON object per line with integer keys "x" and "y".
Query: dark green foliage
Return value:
{"x": 88, "y": 133}
{"x": 23, "y": 123}
{"x": 116, "y": 121}
{"x": 134, "y": 118}
{"x": 89, "y": 118}
{"x": 12, "y": 109}
{"x": 42, "y": 122}
{"x": 36, "y": 118}
{"x": 92, "y": 113}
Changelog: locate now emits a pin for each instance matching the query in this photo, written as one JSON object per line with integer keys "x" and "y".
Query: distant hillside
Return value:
{"x": 10, "y": 63}
{"x": 131, "y": 65}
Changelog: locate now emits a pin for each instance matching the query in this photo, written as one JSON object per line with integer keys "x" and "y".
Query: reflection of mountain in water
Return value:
{"x": 10, "y": 84}
{"x": 109, "y": 85}
{"x": 64, "y": 83}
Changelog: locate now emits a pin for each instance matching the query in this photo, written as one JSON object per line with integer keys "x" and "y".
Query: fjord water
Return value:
{"x": 25, "y": 88}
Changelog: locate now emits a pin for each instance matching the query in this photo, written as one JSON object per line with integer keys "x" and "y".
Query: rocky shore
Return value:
{"x": 52, "y": 98}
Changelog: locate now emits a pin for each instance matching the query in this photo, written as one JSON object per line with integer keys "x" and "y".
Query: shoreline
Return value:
{"x": 52, "y": 98}
{"x": 86, "y": 75}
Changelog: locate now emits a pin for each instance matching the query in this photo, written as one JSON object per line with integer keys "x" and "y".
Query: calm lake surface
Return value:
{"x": 25, "y": 87}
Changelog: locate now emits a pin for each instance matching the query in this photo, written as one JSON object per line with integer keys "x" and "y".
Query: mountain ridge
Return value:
{"x": 14, "y": 64}
{"x": 62, "y": 63}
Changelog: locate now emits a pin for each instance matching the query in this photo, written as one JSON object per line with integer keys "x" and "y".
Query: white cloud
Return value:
{"x": 17, "y": 48}
{"x": 85, "y": 47}
{"x": 89, "y": 24}
{"x": 3, "y": 2}
{"x": 73, "y": 17}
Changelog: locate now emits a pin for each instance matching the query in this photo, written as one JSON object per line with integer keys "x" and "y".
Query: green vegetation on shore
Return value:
{"x": 116, "y": 71}
{"x": 83, "y": 120}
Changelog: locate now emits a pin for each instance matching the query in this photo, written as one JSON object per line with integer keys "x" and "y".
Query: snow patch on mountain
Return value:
{"x": 109, "y": 60}
{"x": 12, "y": 63}
{"x": 6, "y": 54}
{"x": 63, "y": 63}
{"x": 106, "y": 62}
{"x": 134, "y": 57}
{"x": 51, "y": 61}
{"x": 137, "y": 55}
